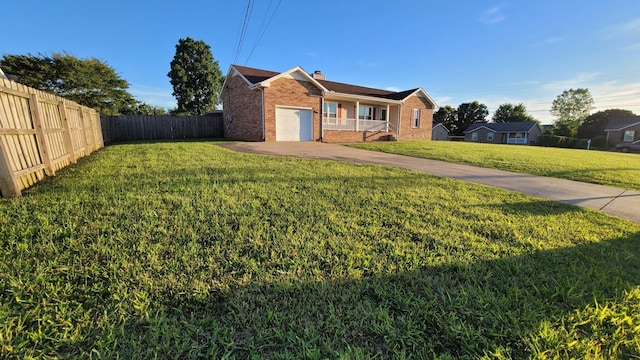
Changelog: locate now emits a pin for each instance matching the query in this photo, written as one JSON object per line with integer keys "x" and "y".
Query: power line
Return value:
{"x": 265, "y": 28}
{"x": 243, "y": 30}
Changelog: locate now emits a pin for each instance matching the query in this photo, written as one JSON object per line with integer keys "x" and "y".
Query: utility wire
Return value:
{"x": 243, "y": 30}
{"x": 265, "y": 28}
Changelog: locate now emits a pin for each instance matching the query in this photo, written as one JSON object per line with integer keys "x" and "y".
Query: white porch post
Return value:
{"x": 387, "y": 117}
{"x": 357, "y": 114}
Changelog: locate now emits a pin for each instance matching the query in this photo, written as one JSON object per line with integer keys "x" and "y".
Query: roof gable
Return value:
{"x": 435, "y": 125}
{"x": 618, "y": 123}
{"x": 524, "y": 126}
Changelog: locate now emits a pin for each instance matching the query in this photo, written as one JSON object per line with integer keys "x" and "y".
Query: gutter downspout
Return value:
{"x": 322, "y": 118}
{"x": 263, "y": 124}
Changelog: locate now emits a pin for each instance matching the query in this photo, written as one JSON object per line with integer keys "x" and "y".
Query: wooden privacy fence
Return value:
{"x": 41, "y": 133}
{"x": 160, "y": 127}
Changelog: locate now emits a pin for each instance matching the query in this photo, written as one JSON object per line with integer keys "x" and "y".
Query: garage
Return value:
{"x": 294, "y": 124}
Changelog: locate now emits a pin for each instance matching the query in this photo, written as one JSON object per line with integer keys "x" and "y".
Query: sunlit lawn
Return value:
{"x": 187, "y": 250}
{"x": 598, "y": 167}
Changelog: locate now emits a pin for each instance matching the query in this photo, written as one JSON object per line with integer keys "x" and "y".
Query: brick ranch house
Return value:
{"x": 623, "y": 129}
{"x": 522, "y": 133}
{"x": 260, "y": 105}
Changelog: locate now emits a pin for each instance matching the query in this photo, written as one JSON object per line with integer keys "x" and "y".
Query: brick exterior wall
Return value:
{"x": 245, "y": 108}
{"x": 295, "y": 93}
{"x": 407, "y": 131}
{"x": 617, "y": 137}
{"x": 332, "y": 136}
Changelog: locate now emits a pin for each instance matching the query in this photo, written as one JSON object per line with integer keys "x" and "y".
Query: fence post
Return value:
{"x": 41, "y": 138}
{"x": 83, "y": 128}
{"x": 67, "y": 131}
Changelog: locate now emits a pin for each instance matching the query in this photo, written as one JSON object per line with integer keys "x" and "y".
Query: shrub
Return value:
{"x": 557, "y": 141}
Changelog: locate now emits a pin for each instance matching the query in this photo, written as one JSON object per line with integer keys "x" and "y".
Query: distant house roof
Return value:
{"x": 255, "y": 76}
{"x": 435, "y": 125}
{"x": 618, "y": 123}
{"x": 3, "y": 76}
{"x": 525, "y": 126}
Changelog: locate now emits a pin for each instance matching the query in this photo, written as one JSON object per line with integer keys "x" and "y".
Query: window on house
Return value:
{"x": 489, "y": 136}
{"x": 365, "y": 112}
{"x": 331, "y": 112}
{"x": 416, "y": 118}
{"x": 474, "y": 136}
{"x": 629, "y": 136}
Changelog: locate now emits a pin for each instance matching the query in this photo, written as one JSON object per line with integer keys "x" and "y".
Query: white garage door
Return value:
{"x": 294, "y": 124}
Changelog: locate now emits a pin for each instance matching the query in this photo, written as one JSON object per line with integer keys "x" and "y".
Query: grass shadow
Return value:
{"x": 460, "y": 311}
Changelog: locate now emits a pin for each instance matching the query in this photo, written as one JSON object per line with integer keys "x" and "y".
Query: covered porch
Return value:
{"x": 518, "y": 138}
{"x": 360, "y": 115}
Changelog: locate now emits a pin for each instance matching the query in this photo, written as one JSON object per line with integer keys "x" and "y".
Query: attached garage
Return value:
{"x": 294, "y": 124}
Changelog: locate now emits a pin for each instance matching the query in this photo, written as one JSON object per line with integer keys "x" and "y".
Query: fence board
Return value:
{"x": 37, "y": 135}
{"x": 160, "y": 127}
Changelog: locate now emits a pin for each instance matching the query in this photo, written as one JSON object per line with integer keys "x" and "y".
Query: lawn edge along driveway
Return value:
{"x": 611, "y": 200}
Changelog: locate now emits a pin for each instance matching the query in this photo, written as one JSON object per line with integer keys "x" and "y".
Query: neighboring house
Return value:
{"x": 3, "y": 76}
{"x": 504, "y": 133}
{"x": 439, "y": 132}
{"x": 260, "y": 105}
{"x": 622, "y": 129}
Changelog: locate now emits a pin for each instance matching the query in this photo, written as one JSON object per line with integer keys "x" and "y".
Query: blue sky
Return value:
{"x": 458, "y": 51}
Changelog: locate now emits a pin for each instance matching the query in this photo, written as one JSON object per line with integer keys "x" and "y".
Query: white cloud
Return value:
{"x": 633, "y": 47}
{"x": 443, "y": 100}
{"x": 492, "y": 15}
{"x": 392, "y": 88}
{"x": 576, "y": 81}
{"x": 153, "y": 96}
{"x": 627, "y": 28}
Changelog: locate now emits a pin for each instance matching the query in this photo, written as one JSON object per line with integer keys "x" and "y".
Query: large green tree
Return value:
{"x": 447, "y": 116}
{"x": 195, "y": 76}
{"x": 90, "y": 82}
{"x": 594, "y": 124}
{"x": 511, "y": 113}
{"x": 571, "y": 108}
{"x": 469, "y": 113}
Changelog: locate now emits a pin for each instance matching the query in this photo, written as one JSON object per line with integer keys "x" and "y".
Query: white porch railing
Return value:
{"x": 521, "y": 141}
{"x": 329, "y": 123}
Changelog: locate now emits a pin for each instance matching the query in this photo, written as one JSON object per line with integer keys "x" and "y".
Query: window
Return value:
{"x": 474, "y": 136}
{"x": 416, "y": 118}
{"x": 629, "y": 135}
{"x": 331, "y": 112}
{"x": 489, "y": 136}
{"x": 365, "y": 112}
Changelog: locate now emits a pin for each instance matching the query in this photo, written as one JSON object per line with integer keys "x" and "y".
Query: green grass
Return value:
{"x": 597, "y": 167}
{"x": 187, "y": 250}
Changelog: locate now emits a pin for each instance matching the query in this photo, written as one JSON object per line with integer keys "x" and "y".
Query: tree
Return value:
{"x": 195, "y": 76}
{"x": 146, "y": 109}
{"x": 89, "y": 82}
{"x": 594, "y": 124}
{"x": 511, "y": 113}
{"x": 447, "y": 116}
{"x": 469, "y": 113}
{"x": 570, "y": 108}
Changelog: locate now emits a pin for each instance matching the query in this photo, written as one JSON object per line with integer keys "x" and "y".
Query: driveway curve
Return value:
{"x": 615, "y": 201}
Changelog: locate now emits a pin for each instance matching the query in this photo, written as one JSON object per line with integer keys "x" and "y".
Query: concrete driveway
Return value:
{"x": 611, "y": 200}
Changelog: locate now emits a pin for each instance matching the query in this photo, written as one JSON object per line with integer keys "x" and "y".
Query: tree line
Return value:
{"x": 457, "y": 120}
{"x": 571, "y": 109}
{"x": 194, "y": 74}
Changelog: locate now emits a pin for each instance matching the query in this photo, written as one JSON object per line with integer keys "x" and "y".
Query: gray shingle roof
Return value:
{"x": 622, "y": 122}
{"x": 525, "y": 126}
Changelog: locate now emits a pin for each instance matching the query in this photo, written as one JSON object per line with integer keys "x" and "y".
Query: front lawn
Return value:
{"x": 597, "y": 167}
{"x": 188, "y": 250}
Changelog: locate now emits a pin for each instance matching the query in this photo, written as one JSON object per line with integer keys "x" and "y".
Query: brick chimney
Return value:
{"x": 318, "y": 75}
